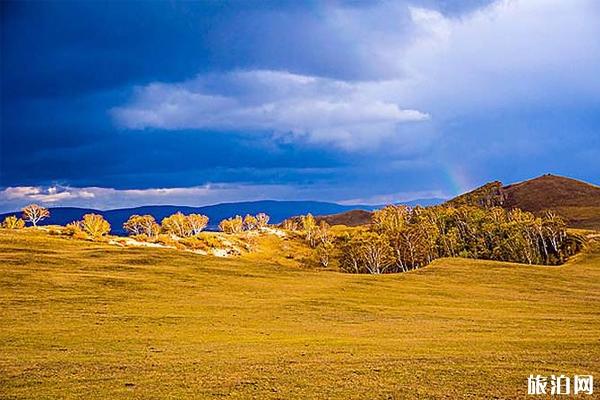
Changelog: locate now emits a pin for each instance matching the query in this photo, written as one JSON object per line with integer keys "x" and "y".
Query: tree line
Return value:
{"x": 144, "y": 227}
{"x": 398, "y": 239}
{"x": 401, "y": 239}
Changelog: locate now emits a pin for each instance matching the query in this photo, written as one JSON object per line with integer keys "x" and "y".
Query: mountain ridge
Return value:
{"x": 578, "y": 202}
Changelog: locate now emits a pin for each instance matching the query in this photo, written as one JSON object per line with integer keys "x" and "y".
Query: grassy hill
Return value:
{"x": 89, "y": 320}
{"x": 578, "y": 202}
{"x": 363, "y": 217}
{"x": 348, "y": 218}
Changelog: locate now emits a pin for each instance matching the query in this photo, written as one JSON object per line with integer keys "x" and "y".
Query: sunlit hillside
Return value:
{"x": 92, "y": 320}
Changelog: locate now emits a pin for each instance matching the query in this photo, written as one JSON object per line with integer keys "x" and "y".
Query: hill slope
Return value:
{"x": 578, "y": 202}
{"x": 363, "y": 217}
{"x": 90, "y": 320}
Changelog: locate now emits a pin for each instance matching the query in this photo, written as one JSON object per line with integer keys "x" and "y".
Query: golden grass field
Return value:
{"x": 89, "y": 320}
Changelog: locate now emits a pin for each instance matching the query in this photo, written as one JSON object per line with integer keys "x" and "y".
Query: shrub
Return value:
{"x": 167, "y": 240}
{"x": 250, "y": 222}
{"x": 194, "y": 243}
{"x": 75, "y": 230}
{"x": 291, "y": 224}
{"x": 12, "y": 222}
{"x": 95, "y": 225}
{"x": 262, "y": 220}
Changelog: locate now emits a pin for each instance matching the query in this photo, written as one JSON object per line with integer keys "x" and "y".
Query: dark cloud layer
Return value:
{"x": 67, "y": 66}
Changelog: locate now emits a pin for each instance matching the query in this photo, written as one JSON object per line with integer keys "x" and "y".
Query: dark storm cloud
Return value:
{"x": 401, "y": 97}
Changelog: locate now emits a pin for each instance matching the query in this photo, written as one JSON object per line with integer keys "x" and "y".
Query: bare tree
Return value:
{"x": 34, "y": 213}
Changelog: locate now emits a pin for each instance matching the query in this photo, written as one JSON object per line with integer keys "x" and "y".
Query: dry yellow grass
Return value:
{"x": 89, "y": 320}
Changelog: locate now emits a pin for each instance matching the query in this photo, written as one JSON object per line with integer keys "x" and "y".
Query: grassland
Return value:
{"x": 89, "y": 320}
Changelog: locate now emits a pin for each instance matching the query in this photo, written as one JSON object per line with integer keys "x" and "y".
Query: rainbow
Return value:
{"x": 457, "y": 179}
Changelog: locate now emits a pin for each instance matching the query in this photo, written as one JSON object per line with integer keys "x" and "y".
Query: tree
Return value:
{"x": 309, "y": 225}
{"x": 390, "y": 219}
{"x": 376, "y": 252}
{"x": 95, "y": 225}
{"x": 34, "y": 213}
{"x": 322, "y": 234}
{"x": 232, "y": 225}
{"x": 197, "y": 222}
{"x": 290, "y": 224}
{"x": 12, "y": 222}
{"x": 262, "y": 220}
{"x": 178, "y": 225}
{"x": 323, "y": 252}
{"x": 366, "y": 252}
{"x": 142, "y": 225}
{"x": 250, "y": 222}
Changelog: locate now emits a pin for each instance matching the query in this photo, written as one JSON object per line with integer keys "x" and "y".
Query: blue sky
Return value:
{"x": 113, "y": 104}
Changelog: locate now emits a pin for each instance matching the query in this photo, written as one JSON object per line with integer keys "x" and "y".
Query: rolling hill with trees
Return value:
{"x": 360, "y": 217}
{"x": 576, "y": 201}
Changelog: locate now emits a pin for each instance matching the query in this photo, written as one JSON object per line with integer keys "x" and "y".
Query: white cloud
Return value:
{"x": 510, "y": 54}
{"x": 420, "y": 63}
{"x": 14, "y": 198}
{"x": 396, "y": 197}
{"x": 317, "y": 109}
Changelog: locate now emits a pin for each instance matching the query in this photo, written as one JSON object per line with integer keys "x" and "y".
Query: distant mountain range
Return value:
{"x": 277, "y": 210}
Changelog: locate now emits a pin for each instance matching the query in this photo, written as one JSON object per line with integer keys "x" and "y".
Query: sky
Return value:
{"x": 118, "y": 104}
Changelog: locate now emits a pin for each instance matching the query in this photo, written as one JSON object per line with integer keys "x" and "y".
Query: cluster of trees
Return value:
{"x": 141, "y": 226}
{"x": 399, "y": 238}
{"x": 402, "y": 239}
{"x": 33, "y": 214}
{"x": 238, "y": 224}
{"x": 316, "y": 234}
{"x": 92, "y": 226}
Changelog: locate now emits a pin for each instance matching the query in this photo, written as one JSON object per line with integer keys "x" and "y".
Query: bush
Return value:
{"x": 95, "y": 226}
{"x": 167, "y": 240}
{"x": 74, "y": 230}
{"x": 12, "y": 222}
{"x": 232, "y": 225}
